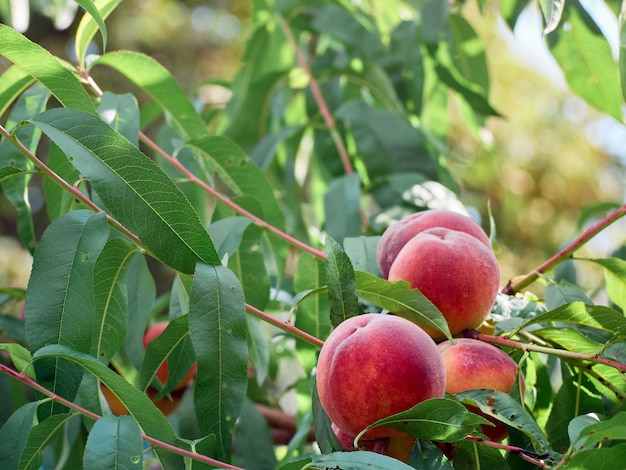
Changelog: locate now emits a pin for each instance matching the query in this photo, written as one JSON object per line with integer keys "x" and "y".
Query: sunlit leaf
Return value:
{"x": 13, "y": 82}
{"x": 135, "y": 191}
{"x": 88, "y": 26}
{"x": 552, "y": 12}
{"x": 615, "y": 277}
{"x": 45, "y": 68}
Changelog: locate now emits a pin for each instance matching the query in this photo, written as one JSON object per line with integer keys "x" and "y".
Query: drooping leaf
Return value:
{"x": 147, "y": 415}
{"x": 156, "y": 80}
{"x": 401, "y": 300}
{"x": 110, "y": 297}
{"x": 135, "y": 191}
{"x": 45, "y": 68}
{"x": 121, "y": 112}
{"x": 217, "y": 327}
{"x": 585, "y": 57}
{"x": 221, "y": 156}
{"x": 88, "y": 26}
{"x": 342, "y": 207}
{"x": 438, "y": 419}
{"x": 39, "y": 438}
{"x": 254, "y": 444}
{"x": 13, "y": 82}
{"x": 59, "y": 298}
{"x": 114, "y": 442}
{"x": 93, "y": 11}
{"x": 14, "y": 435}
{"x": 31, "y": 102}
{"x": 172, "y": 345}
{"x": 615, "y": 277}
{"x": 344, "y": 302}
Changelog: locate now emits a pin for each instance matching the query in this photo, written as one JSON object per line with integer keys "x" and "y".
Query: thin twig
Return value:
{"x": 529, "y": 456}
{"x": 517, "y": 284}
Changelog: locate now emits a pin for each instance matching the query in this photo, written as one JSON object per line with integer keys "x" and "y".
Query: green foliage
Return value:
{"x": 252, "y": 228}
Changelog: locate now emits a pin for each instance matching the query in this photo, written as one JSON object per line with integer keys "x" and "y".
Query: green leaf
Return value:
{"x": 587, "y": 62}
{"x": 14, "y": 435}
{"x": 594, "y": 316}
{"x": 615, "y": 278}
{"x": 471, "y": 455}
{"x": 348, "y": 29}
{"x": 217, "y": 327}
{"x": 344, "y": 302}
{"x": 607, "y": 458}
{"x": 613, "y": 429}
{"x": 32, "y": 102}
{"x": 21, "y": 358}
{"x": 134, "y": 189}
{"x": 227, "y": 234}
{"x": 359, "y": 460}
{"x": 221, "y": 156}
{"x": 437, "y": 419}
{"x": 507, "y": 409}
{"x": 173, "y": 346}
{"x": 114, "y": 442}
{"x": 156, "y": 80}
{"x": 45, "y": 68}
{"x": 312, "y": 315}
{"x": 59, "y": 298}
{"x": 386, "y": 142}
{"x": 58, "y": 200}
{"x": 401, "y": 300}
{"x": 342, "y": 207}
{"x": 121, "y": 112}
{"x": 362, "y": 252}
{"x": 110, "y": 298}
{"x": 468, "y": 51}
{"x": 140, "y": 407}
{"x": 88, "y": 26}
{"x": 259, "y": 348}
{"x": 39, "y": 438}
{"x": 426, "y": 455}
{"x": 13, "y": 82}
{"x": 94, "y": 12}
{"x": 254, "y": 443}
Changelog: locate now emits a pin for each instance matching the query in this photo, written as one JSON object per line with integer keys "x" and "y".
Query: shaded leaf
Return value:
{"x": 344, "y": 302}
{"x": 342, "y": 207}
{"x": 114, "y": 442}
{"x": 41, "y": 435}
{"x": 552, "y": 13}
{"x": 217, "y": 327}
{"x": 156, "y": 80}
{"x": 14, "y": 435}
{"x": 121, "y": 112}
{"x": 254, "y": 444}
{"x": 359, "y": 460}
{"x": 471, "y": 455}
{"x": 608, "y": 458}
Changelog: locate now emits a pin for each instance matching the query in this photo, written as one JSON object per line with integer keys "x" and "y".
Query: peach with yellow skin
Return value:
{"x": 472, "y": 364}
{"x": 455, "y": 271}
{"x": 374, "y": 365}
{"x": 399, "y": 233}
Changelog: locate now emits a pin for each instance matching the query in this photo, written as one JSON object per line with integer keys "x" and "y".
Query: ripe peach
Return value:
{"x": 472, "y": 364}
{"x": 374, "y": 365}
{"x": 458, "y": 273}
{"x": 153, "y": 332}
{"x": 399, "y": 233}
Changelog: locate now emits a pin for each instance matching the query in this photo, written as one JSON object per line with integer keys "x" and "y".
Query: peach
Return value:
{"x": 455, "y": 271}
{"x": 375, "y": 365}
{"x": 153, "y": 332}
{"x": 472, "y": 364}
{"x": 167, "y": 405}
{"x": 399, "y": 233}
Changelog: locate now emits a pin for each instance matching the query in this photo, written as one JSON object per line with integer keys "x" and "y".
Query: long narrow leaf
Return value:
{"x": 90, "y": 23}
{"x": 12, "y": 83}
{"x": 217, "y": 326}
{"x": 133, "y": 188}
{"x": 45, "y": 68}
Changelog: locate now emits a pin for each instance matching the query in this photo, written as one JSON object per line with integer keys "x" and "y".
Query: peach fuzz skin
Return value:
{"x": 374, "y": 365}
{"x": 472, "y": 364}
{"x": 399, "y": 233}
{"x": 455, "y": 271}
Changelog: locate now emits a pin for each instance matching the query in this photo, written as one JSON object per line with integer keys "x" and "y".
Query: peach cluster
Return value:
{"x": 375, "y": 365}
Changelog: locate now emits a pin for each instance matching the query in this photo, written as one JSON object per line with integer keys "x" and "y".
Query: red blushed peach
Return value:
{"x": 167, "y": 405}
{"x": 472, "y": 364}
{"x": 153, "y": 332}
{"x": 374, "y": 365}
{"x": 455, "y": 271}
{"x": 399, "y": 233}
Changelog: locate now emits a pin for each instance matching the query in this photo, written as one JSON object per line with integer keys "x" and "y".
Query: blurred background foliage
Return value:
{"x": 541, "y": 168}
